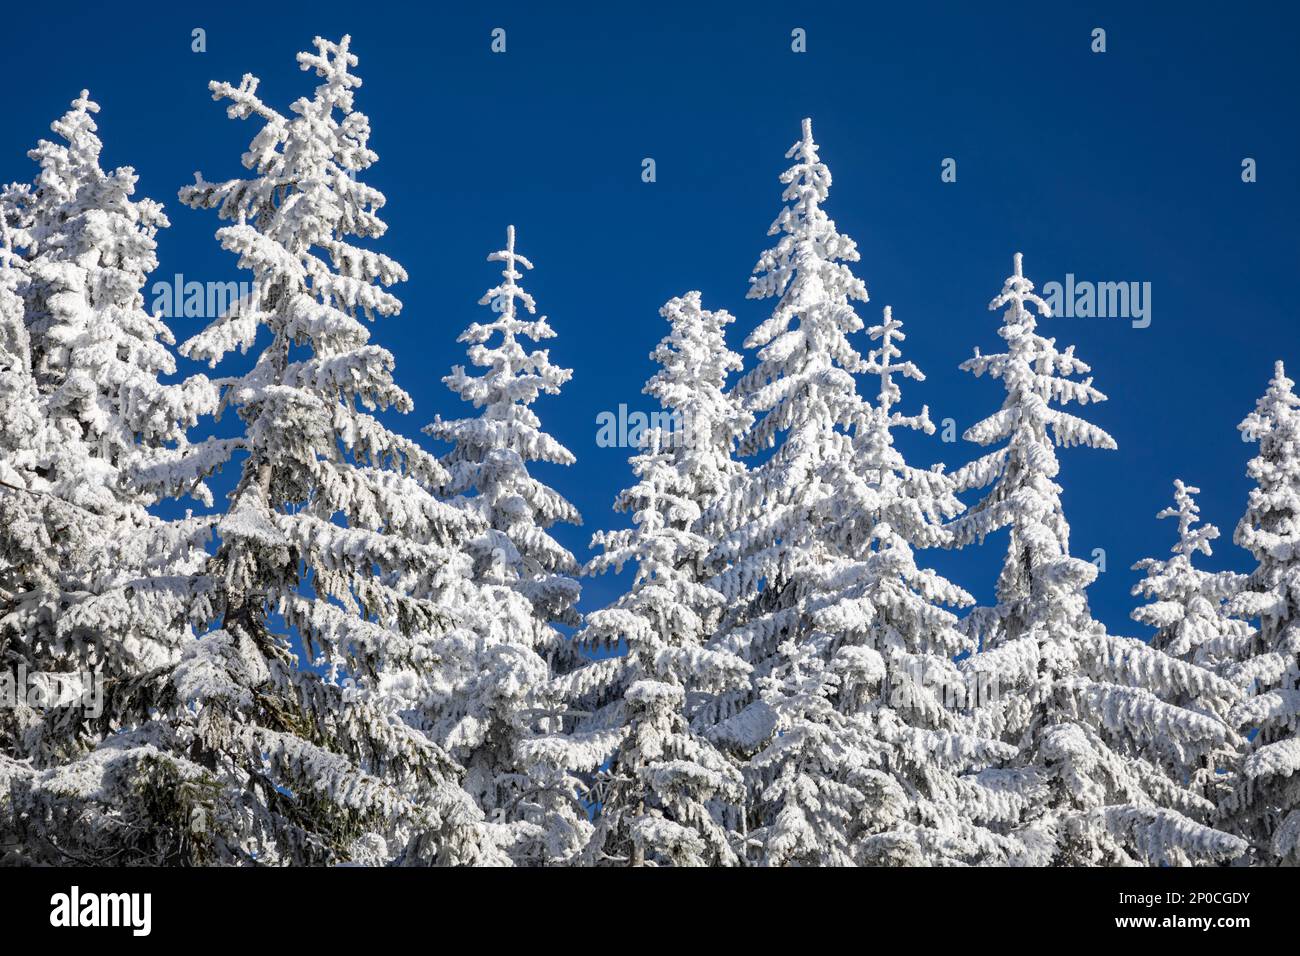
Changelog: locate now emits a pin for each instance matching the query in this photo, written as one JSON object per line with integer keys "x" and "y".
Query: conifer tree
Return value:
{"x": 803, "y": 397}
{"x": 709, "y": 420}
{"x": 496, "y": 708}
{"x": 1188, "y": 608}
{"x": 241, "y": 752}
{"x": 773, "y": 552}
{"x": 96, "y": 352}
{"x": 663, "y": 797}
{"x": 947, "y": 798}
{"x": 99, "y": 592}
{"x": 1087, "y": 711}
{"x": 95, "y": 357}
{"x": 1264, "y": 805}
{"x": 489, "y": 460}
{"x": 819, "y": 549}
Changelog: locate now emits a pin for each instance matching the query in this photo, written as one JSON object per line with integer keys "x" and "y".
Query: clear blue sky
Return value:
{"x": 1119, "y": 166}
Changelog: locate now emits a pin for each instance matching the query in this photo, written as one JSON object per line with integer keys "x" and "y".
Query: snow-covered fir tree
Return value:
{"x": 667, "y": 793}
{"x": 1188, "y": 606}
{"x": 773, "y": 554}
{"x": 99, "y": 591}
{"x": 946, "y": 799}
{"x": 497, "y": 708}
{"x": 1087, "y": 711}
{"x": 1264, "y": 806}
{"x": 117, "y": 431}
{"x": 708, "y": 420}
{"x": 96, "y": 352}
{"x": 489, "y": 461}
{"x": 250, "y": 753}
{"x": 804, "y": 400}
{"x": 1188, "y": 609}
{"x": 835, "y": 773}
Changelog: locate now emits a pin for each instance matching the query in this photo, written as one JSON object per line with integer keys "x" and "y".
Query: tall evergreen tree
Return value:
{"x": 100, "y": 593}
{"x": 239, "y": 752}
{"x": 803, "y": 398}
{"x": 947, "y": 798}
{"x": 496, "y": 707}
{"x": 488, "y": 463}
{"x": 1086, "y": 710}
{"x": 96, "y": 352}
{"x": 1188, "y": 608}
{"x": 95, "y": 357}
{"x": 773, "y": 552}
{"x": 663, "y": 795}
{"x": 818, "y": 550}
{"x": 1264, "y": 806}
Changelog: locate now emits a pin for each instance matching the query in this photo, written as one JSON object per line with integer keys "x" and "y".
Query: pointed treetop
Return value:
{"x": 502, "y": 297}
{"x": 84, "y": 103}
{"x": 77, "y": 127}
{"x": 1275, "y": 404}
{"x": 807, "y": 184}
{"x": 331, "y": 62}
{"x": 1017, "y": 290}
{"x": 806, "y": 150}
{"x": 1280, "y": 381}
{"x": 881, "y": 362}
{"x": 1190, "y": 538}
{"x": 803, "y": 224}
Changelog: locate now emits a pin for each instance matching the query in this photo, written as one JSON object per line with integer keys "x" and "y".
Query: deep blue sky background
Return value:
{"x": 1121, "y": 166}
